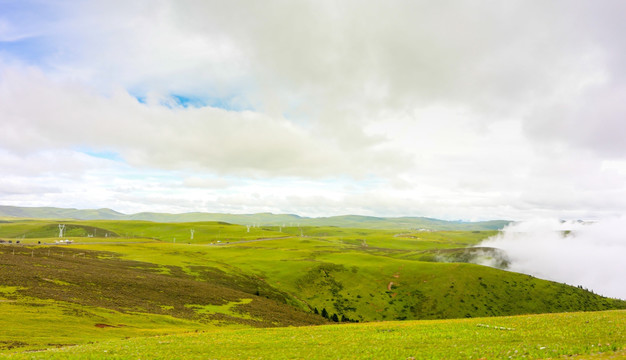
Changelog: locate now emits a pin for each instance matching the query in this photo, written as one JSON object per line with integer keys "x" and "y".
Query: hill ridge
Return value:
{"x": 262, "y": 219}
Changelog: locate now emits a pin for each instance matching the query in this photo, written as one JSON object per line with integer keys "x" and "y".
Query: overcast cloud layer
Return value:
{"x": 587, "y": 254}
{"x": 451, "y": 109}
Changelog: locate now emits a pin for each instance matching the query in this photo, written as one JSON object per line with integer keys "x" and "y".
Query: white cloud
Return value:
{"x": 452, "y": 109}
{"x": 591, "y": 255}
{"x": 152, "y": 135}
{"x": 207, "y": 183}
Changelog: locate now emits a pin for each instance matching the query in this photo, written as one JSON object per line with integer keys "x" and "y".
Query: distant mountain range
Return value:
{"x": 349, "y": 221}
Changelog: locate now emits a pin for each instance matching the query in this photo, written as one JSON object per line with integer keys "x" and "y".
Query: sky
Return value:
{"x": 470, "y": 110}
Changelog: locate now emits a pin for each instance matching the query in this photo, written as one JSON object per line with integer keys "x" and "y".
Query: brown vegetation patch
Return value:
{"x": 132, "y": 286}
{"x": 101, "y": 326}
{"x": 8, "y": 345}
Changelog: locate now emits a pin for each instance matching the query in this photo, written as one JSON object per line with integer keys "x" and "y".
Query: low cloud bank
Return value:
{"x": 590, "y": 254}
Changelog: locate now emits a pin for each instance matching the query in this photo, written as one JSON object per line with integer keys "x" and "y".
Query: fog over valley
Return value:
{"x": 587, "y": 254}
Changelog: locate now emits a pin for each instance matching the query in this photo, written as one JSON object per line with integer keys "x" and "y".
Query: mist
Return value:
{"x": 589, "y": 254}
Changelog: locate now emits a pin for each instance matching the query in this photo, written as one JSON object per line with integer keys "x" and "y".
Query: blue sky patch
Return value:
{"x": 190, "y": 101}
{"x": 31, "y": 50}
{"x": 108, "y": 155}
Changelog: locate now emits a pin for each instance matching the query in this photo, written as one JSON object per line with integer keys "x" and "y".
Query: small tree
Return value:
{"x": 324, "y": 313}
{"x": 335, "y": 318}
{"x": 316, "y": 312}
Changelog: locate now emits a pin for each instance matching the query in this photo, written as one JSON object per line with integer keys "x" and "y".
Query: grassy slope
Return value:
{"x": 53, "y": 296}
{"x": 356, "y": 283}
{"x": 101, "y": 280}
{"x": 31, "y": 323}
{"x": 361, "y": 274}
{"x": 601, "y": 334}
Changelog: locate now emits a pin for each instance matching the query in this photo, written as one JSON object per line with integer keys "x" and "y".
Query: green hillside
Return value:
{"x": 58, "y": 213}
{"x": 374, "y": 283}
{"x": 97, "y": 279}
{"x": 136, "y": 278}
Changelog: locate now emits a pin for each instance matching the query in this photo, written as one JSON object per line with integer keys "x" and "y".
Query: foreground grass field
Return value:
{"x": 598, "y": 335}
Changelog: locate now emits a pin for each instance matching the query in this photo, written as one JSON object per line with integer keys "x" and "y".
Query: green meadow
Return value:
{"x": 219, "y": 290}
{"x": 597, "y": 335}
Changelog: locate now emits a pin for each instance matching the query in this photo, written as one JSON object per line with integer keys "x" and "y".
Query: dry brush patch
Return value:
{"x": 98, "y": 279}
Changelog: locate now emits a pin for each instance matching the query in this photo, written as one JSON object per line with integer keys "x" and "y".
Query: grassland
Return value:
{"x": 582, "y": 335}
{"x": 128, "y": 279}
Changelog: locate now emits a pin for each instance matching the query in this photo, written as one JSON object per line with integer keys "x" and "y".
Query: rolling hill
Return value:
{"x": 131, "y": 278}
{"x": 349, "y": 221}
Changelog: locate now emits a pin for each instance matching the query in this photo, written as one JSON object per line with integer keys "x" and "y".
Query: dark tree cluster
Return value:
{"x": 333, "y": 317}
